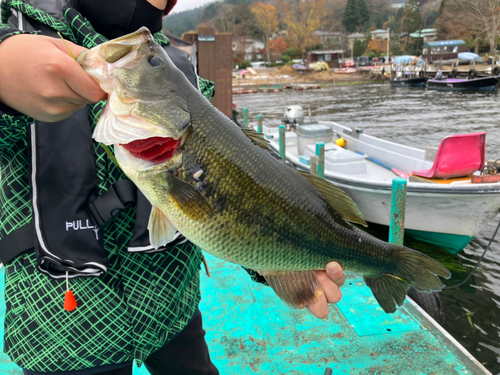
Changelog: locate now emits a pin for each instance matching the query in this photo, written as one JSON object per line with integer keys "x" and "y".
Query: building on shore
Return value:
{"x": 330, "y": 56}
{"x": 248, "y": 49}
{"x": 380, "y": 34}
{"x": 443, "y": 49}
{"x": 429, "y": 35}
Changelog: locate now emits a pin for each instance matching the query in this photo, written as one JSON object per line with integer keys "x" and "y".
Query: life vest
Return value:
{"x": 68, "y": 213}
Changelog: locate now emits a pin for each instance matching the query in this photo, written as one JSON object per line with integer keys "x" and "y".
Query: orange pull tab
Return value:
{"x": 69, "y": 301}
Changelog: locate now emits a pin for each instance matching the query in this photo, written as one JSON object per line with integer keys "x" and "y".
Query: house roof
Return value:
{"x": 324, "y": 51}
{"x": 328, "y": 33}
{"x": 439, "y": 43}
{"x": 356, "y": 35}
{"x": 379, "y": 31}
{"x": 424, "y": 33}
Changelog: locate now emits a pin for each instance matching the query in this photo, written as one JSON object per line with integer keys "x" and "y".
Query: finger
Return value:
{"x": 330, "y": 288}
{"x": 76, "y": 79}
{"x": 320, "y": 308}
{"x": 335, "y": 273}
{"x": 82, "y": 84}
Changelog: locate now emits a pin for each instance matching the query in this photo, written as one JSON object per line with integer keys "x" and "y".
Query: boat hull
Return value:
{"x": 447, "y": 220}
{"x": 456, "y": 84}
{"x": 409, "y": 82}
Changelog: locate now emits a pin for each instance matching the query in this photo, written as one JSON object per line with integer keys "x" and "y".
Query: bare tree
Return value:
{"x": 484, "y": 15}
{"x": 223, "y": 20}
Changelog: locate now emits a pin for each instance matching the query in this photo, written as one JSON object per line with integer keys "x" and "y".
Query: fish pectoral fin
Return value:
{"x": 161, "y": 229}
{"x": 295, "y": 288}
{"x": 338, "y": 200}
{"x": 188, "y": 199}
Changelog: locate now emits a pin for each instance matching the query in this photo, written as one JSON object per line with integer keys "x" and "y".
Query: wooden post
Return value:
{"x": 245, "y": 117}
{"x": 259, "y": 123}
{"x": 313, "y": 165}
{"x": 398, "y": 208}
{"x": 320, "y": 153}
{"x": 282, "y": 142}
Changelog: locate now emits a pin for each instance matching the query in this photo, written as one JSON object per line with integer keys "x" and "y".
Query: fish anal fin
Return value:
{"x": 188, "y": 199}
{"x": 388, "y": 290}
{"x": 339, "y": 201}
{"x": 295, "y": 288}
{"x": 161, "y": 230}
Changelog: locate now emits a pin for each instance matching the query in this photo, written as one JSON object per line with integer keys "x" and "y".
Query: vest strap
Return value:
{"x": 16, "y": 243}
{"x": 120, "y": 196}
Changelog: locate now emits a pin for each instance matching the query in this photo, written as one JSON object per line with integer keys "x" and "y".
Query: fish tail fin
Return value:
{"x": 411, "y": 268}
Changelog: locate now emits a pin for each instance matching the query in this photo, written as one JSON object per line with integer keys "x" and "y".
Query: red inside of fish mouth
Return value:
{"x": 155, "y": 149}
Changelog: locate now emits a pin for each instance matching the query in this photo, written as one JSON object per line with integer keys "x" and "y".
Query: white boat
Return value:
{"x": 448, "y": 214}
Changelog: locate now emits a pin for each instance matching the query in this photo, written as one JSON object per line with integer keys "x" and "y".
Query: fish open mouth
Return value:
{"x": 155, "y": 149}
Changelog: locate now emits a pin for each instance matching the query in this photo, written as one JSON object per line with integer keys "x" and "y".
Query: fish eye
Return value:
{"x": 155, "y": 61}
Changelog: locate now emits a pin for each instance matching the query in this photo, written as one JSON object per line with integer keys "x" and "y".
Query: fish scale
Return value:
{"x": 228, "y": 193}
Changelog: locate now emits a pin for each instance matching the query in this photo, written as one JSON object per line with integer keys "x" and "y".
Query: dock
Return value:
{"x": 250, "y": 331}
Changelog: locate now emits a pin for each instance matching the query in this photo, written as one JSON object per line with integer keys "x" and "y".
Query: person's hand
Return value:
{"x": 39, "y": 78}
{"x": 330, "y": 280}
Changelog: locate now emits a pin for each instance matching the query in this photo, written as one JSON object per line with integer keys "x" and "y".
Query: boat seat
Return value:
{"x": 458, "y": 155}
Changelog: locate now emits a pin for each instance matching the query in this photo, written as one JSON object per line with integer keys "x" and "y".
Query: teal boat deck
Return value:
{"x": 250, "y": 331}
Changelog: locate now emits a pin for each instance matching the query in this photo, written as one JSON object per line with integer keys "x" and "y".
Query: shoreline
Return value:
{"x": 273, "y": 81}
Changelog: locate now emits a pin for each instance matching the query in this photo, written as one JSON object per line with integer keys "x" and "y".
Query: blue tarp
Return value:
{"x": 404, "y": 59}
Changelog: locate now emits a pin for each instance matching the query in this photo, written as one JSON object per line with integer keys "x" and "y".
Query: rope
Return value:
{"x": 478, "y": 262}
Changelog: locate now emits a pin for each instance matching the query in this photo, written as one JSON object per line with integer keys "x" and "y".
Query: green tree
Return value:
{"x": 364, "y": 13}
{"x": 441, "y": 7}
{"x": 356, "y": 15}
{"x": 412, "y": 20}
{"x": 350, "y": 19}
{"x": 358, "y": 48}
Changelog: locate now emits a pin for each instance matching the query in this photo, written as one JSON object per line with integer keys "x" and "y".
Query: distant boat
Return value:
{"x": 463, "y": 84}
{"x": 409, "y": 82}
{"x": 468, "y": 56}
{"x": 345, "y": 70}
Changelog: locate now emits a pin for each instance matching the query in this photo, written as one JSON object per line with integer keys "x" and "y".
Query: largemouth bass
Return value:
{"x": 227, "y": 192}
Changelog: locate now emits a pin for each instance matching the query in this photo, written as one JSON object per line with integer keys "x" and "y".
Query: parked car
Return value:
{"x": 348, "y": 64}
{"x": 363, "y": 61}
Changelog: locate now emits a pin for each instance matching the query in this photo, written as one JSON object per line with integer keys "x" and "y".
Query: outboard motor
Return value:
{"x": 294, "y": 116}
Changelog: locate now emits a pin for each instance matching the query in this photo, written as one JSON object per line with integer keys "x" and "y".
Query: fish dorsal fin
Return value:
{"x": 295, "y": 288}
{"x": 337, "y": 199}
{"x": 257, "y": 138}
{"x": 188, "y": 199}
{"x": 161, "y": 230}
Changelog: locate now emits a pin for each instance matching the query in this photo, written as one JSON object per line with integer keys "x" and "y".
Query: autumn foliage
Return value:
{"x": 377, "y": 46}
{"x": 302, "y": 20}
{"x": 278, "y": 46}
{"x": 267, "y": 20}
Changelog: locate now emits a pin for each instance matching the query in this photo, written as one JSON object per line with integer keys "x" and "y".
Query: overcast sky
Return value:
{"x": 183, "y": 5}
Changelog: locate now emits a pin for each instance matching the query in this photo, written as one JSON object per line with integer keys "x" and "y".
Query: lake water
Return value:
{"x": 420, "y": 118}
